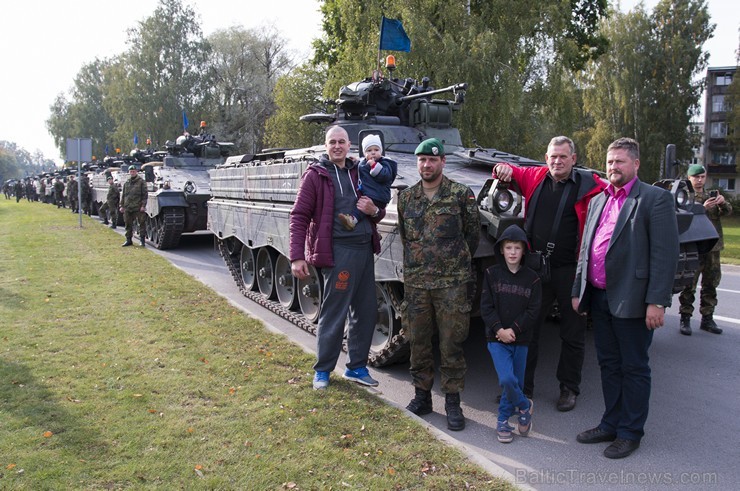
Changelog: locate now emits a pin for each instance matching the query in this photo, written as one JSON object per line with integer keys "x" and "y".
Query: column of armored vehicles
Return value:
{"x": 245, "y": 200}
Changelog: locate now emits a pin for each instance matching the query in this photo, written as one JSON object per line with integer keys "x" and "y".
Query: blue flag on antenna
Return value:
{"x": 184, "y": 120}
{"x": 136, "y": 138}
{"x": 393, "y": 37}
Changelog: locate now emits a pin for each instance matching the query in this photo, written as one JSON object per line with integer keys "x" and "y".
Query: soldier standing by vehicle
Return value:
{"x": 59, "y": 192}
{"x": 709, "y": 263}
{"x": 112, "y": 202}
{"x": 18, "y": 188}
{"x": 133, "y": 204}
{"x": 439, "y": 225}
{"x": 72, "y": 194}
{"x": 86, "y": 195}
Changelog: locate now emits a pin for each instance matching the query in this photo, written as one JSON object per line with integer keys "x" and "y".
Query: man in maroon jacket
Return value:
{"x": 544, "y": 189}
{"x": 345, "y": 258}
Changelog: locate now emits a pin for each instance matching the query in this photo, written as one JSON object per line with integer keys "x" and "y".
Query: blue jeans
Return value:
{"x": 510, "y": 361}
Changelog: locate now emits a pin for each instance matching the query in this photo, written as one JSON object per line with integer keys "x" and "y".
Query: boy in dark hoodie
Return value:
{"x": 509, "y": 305}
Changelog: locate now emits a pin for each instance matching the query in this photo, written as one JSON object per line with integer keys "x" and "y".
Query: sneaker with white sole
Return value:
{"x": 361, "y": 376}
{"x": 525, "y": 419}
{"x": 321, "y": 380}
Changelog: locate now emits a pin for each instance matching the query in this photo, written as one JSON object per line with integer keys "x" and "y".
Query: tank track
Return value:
{"x": 396, "y": 351}
{"x": 174, "y": 224}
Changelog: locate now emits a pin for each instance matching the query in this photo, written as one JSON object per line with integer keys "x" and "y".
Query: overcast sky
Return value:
{"x": 45, "y": 43}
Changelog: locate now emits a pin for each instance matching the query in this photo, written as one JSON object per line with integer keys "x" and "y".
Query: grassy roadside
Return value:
{"x": 731, "y": 231}
{"x": 119, "y": 371}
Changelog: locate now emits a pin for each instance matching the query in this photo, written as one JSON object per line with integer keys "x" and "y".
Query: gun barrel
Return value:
{"x": 451, "y": 88}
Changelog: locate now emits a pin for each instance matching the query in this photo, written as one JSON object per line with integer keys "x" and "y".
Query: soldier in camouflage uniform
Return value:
{"x": 440, "y": 227}
{"x": 59, "y": 193}
{"x": 112, "y": 202}
{"x": 709, "y": 263}
{"x": 86, "y": 195}
{"x": 133, "y": 204}
{"x": 72, "y": 195}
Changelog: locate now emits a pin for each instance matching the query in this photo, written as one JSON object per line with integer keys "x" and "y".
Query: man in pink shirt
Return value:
{"x": 624, "y": 278}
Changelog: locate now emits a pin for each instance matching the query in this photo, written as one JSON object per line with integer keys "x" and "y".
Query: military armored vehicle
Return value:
{"x": 178, "y": 184}
{"x": 115, "y": 167}
{"x": 253, "y": 196}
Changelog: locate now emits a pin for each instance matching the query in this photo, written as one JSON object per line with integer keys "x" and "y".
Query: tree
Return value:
{"x": 296, "y": 94}
{"x": 161, "y": 74}
{"x": 647, "y": 86}
{"x": 245, "y": 67}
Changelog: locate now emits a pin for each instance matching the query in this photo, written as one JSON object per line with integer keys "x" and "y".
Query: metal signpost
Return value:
{"x": 79, "y": 149}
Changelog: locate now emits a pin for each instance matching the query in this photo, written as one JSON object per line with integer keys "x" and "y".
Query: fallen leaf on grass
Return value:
{"x": 71, "y": 399}
{"x": 10, "y": 467}
{"x": 290, "y": 485}
{"x": 152, "y": 411}
{"x": 190, "y": 430}
{"x": 203, "y": 359}
{"x": 391, "y": 471}
{"x": 198, "y": 467}
{"x": 48, "y": 434}
{"x": 232, "y": 391}
{"x": 348, "y": 436}
{"x": 138, "y": 395}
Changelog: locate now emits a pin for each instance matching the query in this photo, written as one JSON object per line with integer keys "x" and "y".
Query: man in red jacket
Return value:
{"x": 546, "y": 190}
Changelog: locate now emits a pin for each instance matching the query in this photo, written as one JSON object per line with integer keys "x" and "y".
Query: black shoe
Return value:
{"x": 142, "y": 242}
{"x": 455, "y": 418}
{"x": 127, "y": 243}
{"x": 708, "y": 324}
{"x": 421, "y": 404}
{"x": 112, "y": 225}
{"x": 686, "y": 325}
{"x": 621, "y": 448}
{"x": 595, "y": 435}
{"x": 105, "y": 222}
{"x": 567, "y": 400}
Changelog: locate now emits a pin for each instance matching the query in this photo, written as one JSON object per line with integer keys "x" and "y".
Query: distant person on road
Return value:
{"x": 439, "y": 225}
{"x": 112, "y": 202}
{"x": 709, "y": 264}
{"x": 556, "y": 199}
{"x": 72, "y": 195}
{"x": 377, "y": 173}
{"x": 626, "y": 268}
{"x": 344, "y": 257}
{"x": 509, "y": 306}
{"x": 59, "y": 193}
{"x": 133, "y": 205}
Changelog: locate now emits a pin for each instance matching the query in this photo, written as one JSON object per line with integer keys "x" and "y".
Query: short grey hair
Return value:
{"x": 562, "y": 140}
{"x": 628, "y": 144}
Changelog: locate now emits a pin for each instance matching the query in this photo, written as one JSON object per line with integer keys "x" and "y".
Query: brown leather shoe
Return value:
{"x": 567, "y": 400}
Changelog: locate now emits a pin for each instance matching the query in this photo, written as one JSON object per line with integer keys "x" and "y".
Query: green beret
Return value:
{"x": 431, "y": 146}
{"x": 696, "y": 169}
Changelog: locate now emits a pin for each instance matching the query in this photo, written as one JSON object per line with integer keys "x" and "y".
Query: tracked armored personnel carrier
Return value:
{"x": 253, "y": 195}
{"x": 178, "y": 184}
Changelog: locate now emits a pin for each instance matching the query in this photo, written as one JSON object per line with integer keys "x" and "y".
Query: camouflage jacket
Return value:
{"x": 439, "y": 236}
{"x": 134, "y": 194}
{"x": 714, "y": 213}
{"x": 114, "y": 195}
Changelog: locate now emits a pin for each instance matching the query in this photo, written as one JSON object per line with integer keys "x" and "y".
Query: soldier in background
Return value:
{"x": 86, "y": 195}
{"x": 42, "y": 189}
{"x": 18, "y": 188}
{"x": 133, "y": 204}
{"x": 439, "y": 225}
{"x": 112, "y": 202}
{"x": 709, "y": 263}
{"x": 72, "y": 194}
{"x": 59, "y": 193}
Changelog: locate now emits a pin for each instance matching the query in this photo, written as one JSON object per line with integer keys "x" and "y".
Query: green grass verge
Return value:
{"x": 119, "y": 371}
{"x": 731, "y": 231}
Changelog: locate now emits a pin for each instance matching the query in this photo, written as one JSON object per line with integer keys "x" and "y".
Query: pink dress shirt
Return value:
{"x": 600, "y": 243}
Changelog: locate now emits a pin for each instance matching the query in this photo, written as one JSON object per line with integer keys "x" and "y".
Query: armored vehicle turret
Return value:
{"x": 253, "y": 196}
{"x": 178, "y": 184}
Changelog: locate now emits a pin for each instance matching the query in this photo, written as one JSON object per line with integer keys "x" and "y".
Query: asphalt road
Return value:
{"x": 691, "y": 439}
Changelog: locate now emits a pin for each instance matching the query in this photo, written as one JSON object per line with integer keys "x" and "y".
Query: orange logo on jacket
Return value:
{"x": 342, "y": 280}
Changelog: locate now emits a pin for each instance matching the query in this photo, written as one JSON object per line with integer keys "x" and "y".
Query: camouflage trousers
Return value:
{"x": 446, "y": 313}
{"x": 711, "y": 274}
{"x": 129, "y": 217}
{"x": 109, "y": 210}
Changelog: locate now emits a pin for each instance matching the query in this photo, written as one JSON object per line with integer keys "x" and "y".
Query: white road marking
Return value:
{"x": 728, "y": 291}
{"x": 727, "y": 319}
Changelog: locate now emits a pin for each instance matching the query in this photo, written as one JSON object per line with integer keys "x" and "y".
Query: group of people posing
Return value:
{"x": 612, "y": 249}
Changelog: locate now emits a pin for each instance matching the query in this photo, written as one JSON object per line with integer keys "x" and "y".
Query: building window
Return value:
{"x": 726, "y": 184}
{"x": 718, "y": 129}
{"x": 723, "y": 80}
{"x": 723, "y": 158}
{"x": 718, "y": 104}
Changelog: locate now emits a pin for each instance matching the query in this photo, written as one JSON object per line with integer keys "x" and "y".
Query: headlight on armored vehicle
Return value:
{"x": 682, "y": 197}
{"x": 503, "y": 200}
{"x": 189, "y": 187}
